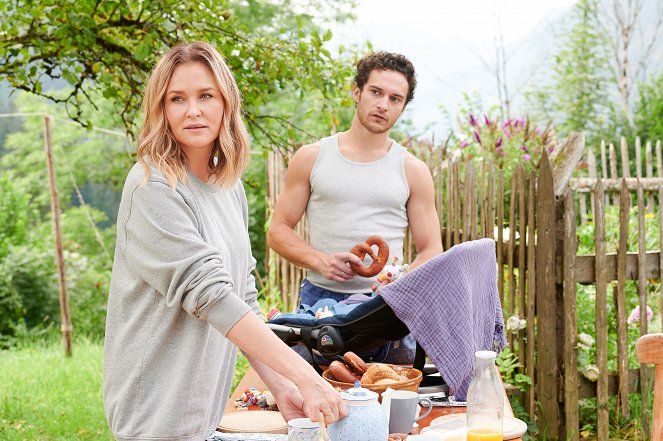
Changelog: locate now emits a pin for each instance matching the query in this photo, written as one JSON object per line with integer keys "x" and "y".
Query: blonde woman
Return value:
{"x": 182, "y": 297}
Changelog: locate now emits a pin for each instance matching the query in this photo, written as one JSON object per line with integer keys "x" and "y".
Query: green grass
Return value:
{"x": 47, "y": 396}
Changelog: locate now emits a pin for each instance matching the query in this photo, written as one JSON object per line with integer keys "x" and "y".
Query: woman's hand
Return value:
{"x": 289, "y": 402}
{"x": 292, "y": 404}
{"x": 280, "y": 367}
{"x": 319, "y": 397}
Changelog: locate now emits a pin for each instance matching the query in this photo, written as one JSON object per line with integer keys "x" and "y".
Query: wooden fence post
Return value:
{"x": 511, "y": 293}
{"x": 490, "y": 208}
{"x": 642, "y": 292}
{"x": 483, "y": 202}
{"x": 591, "y": 162}
{"x": 531, "y": 292}
{"x": 620, "y": 299}
{"x": 649, "y": 169}
{"x": 500, "y": 234}
{"x": 604, "y": 168}
{"x": 467, "y": 202}
{"x": 601, "y": 319}
{"x": 448, "y": 213}
{"x": 613, "y": 161}
{"x": 65, "y": 319}
{"x": 659, "y": 169}
{"x": 626, "y": 171}
{"x": 522, "y": 269}
{"x": 570, "y": 244}
{"x": 457, "y": 224}
{"x": 638, "y": 157}
{"x": 546, "y": 301}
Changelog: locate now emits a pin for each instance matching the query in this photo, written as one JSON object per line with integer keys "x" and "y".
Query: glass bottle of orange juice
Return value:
{"x": 485, "y": 400}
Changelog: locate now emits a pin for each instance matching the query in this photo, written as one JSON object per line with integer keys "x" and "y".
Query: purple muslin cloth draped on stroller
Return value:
{"x": 450, "y": 305}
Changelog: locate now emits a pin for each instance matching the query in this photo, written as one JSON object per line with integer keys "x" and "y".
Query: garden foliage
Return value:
{"x": 90, "y": 61}
{"x": 107, "y": 48}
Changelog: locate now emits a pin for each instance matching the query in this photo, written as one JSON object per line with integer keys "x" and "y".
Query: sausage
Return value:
{"x": 355, "y": 362}
{"x": 362, "y": 249}
{"x": 342, "y": 373}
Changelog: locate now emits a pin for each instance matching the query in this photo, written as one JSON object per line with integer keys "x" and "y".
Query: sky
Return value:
{"x": 469, "y": 21}
{"x": 451, "y": 43}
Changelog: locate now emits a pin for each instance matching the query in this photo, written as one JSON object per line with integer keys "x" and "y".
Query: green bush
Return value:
{"x": 28, "y": 289}
{"x": 15, "y": 213}
{"x": 29, "y": 285}
{"x": 649, "y": 110}
{"x": 26, "y": 267}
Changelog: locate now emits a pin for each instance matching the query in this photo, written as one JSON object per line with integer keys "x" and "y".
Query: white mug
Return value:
{"x": 303, "y": 429}
{"x": 404, "y": 410}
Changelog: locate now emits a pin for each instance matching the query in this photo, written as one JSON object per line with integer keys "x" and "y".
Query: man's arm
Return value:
{"x": 288, "y": 211}
{"x": 421, "y": 213}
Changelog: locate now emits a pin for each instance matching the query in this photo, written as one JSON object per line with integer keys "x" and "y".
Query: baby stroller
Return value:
{"x": 368, "y": 325}
{"x": 450, "y": 305}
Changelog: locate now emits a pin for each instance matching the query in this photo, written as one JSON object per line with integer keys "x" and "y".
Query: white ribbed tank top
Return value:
{"x": 353, "y": 200}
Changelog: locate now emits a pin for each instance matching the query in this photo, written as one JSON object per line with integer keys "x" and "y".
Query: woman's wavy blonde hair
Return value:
{"x": 156, "y": 142}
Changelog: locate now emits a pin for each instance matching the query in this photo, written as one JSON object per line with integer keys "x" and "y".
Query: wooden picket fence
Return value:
{"x": 605, "y": 187}
{"x": 532, "y": 216}
{"x": 284, "y": 277}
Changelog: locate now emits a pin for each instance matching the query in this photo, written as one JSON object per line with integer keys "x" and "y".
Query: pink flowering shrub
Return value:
{"x": 507, "y": 143}
{"x": 635, "y": 315}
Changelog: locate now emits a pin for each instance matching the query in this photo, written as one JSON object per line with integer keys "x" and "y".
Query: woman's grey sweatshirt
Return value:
{"x": 181, "y": 279}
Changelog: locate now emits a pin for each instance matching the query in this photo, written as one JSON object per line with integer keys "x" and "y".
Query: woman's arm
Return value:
{"x": 286, "y": 394}
{"x": 275, "y": 361}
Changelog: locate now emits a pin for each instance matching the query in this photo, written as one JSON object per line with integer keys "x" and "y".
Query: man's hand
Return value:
{"x": 336, "y": 266}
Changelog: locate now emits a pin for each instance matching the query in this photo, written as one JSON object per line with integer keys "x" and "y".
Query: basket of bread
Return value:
{"x": 373, "y": 376}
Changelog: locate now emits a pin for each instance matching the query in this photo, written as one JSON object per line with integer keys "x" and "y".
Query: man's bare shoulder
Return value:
{"x": 414, "y": 164}
{"x": 308, "y": 150}
{"x": 418, "y": 175}
{"x": 305, "y": 156}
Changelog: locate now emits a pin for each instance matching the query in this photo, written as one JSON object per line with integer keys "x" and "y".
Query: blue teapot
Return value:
{"x": 365, "y": 421}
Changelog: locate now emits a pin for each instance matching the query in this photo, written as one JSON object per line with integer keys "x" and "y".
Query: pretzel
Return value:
{"x": 362, "y": 249}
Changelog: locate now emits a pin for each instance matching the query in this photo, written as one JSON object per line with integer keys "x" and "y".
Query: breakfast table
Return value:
{"x": 252, "y": 379}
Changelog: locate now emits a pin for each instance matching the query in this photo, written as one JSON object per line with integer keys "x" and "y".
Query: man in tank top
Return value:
{"x": 356, "y": 184}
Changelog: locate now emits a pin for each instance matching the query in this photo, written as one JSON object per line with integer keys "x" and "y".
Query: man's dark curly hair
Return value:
{"x": 386, "y": 61}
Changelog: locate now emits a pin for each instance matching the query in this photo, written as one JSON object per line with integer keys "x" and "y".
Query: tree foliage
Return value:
{"x": 83, "y": 159}
{"x": 649, "y": 110}
{"x": 90, "y": 59}
{"x": 25, "y": 285}
{"x": 576, "y": 98}
{"x": 107, "y": 48}
{"x": 632, "y": 29}
{"x": 81, "y": 156}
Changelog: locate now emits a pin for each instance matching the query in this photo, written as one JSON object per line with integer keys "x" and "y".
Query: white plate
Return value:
{"x": 259, "y": 421}
{"x": 513, "y": 427}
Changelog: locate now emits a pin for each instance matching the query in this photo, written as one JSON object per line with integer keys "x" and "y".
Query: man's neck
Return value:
{"x": 357, "y": 137}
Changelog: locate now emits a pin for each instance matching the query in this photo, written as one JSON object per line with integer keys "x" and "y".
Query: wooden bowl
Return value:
{"x": 414, "y": 377}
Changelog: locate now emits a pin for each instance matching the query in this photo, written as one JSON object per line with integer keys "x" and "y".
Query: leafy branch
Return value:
{"x": 110, "y": 47}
